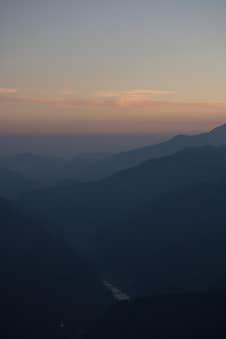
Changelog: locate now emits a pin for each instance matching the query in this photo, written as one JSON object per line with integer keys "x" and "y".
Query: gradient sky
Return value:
{"x": 99, "y": 66}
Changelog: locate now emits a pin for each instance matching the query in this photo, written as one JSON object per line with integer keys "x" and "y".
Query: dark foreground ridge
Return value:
{"x": 46, "y": 290}
{"x": 178, "y": 316}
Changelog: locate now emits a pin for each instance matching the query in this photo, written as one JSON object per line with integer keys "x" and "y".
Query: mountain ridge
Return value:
{"x": 87, "y": 214}
{"x": 123, "y": 160}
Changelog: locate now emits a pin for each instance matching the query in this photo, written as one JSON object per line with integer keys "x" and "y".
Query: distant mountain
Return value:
{"x": 190, "y": 316}
{"x": 45, "y": 170}
{"x": 123, "y": 160}
{"x": 46, "y": 290}
{"x": 13, "y": 183}
{"x": 41, "y": 170}
{"x": 84, "y": 209}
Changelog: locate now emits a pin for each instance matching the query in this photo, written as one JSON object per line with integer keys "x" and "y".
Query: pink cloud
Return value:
{"x": 143, "y": 100}
{"x": 4, "y": 90}
{"x": 134, "y": 92}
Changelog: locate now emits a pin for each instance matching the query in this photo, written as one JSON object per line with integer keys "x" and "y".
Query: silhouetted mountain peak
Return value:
{"x": 220, "y": 131}
{"x": 124, "y": 160}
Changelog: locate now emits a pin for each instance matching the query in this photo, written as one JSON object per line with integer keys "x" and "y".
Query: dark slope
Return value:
{"x": 150, "y": 228}
{"x": 177, "y": 243}
{"x": 124, "y": 160}
{"x": 46, "y": 291}
{"x": 86, "y": 212}
{"x": 179, "y": 316}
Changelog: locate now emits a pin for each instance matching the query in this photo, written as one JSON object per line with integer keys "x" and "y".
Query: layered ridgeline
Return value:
{"x": 123, "y": 160}
{"x": 46, "y": 290}
{"x": 23, "y": 172}
{"x": 157, "y": 226}
{"x": 190, "y": 316}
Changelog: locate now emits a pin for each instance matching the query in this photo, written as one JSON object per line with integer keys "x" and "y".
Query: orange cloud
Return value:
{"x": 148, "y": 92}
{"x": 99, "y": 114}
{"x": 135, "y": 97}
{"x": 134, "y": 100}
{"x": 4, "y": 90}
{"x": 40, "y": 99}
{"x": 133, "y": 93}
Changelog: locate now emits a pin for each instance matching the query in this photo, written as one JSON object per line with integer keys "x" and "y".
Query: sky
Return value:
{"x": 102, "y": 66}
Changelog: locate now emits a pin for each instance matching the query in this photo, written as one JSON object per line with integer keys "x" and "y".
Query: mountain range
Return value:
{"x": 153, "y": 224}
{"x": 123, "y": 160}
{"x": 32, "y": 171}
{"x": 120, "y": 216}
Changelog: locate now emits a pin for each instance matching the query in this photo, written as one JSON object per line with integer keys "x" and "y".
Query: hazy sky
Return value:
{"x": 101, "y": 66}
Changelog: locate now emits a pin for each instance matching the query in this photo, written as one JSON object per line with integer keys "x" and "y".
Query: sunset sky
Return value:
{"x": 102, "y": 66}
